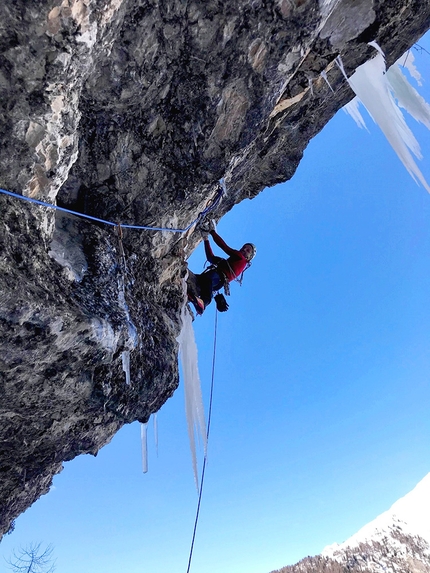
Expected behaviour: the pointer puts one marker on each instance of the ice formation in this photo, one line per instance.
(131, 328)
(378, 90)
(144, 442)
(105, 334)
(407, 61)
(407, 96)
(125, 355)
(325, 78)
(351, 108)
(193, 394)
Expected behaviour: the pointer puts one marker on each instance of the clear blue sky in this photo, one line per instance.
(321, 407)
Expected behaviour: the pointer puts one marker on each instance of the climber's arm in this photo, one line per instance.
(208, 252)
(222, 244)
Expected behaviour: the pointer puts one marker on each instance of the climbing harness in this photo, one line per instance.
(207, 441)
(212, 205)
(220, 300)
(236, 277)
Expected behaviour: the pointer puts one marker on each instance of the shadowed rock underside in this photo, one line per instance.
(131, 111)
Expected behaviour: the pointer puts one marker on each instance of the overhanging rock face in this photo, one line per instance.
(131, 111)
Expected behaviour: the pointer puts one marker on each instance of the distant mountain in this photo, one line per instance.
(397, 541)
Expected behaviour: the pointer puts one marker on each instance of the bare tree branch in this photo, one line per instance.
(32, 559)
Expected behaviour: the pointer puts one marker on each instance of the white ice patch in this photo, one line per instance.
(371, 84)
(144, 444)
(377, 48)
(193, 394)
(105, 334)
(351, 109)
(125, 356)
(223, 186)
(407, 96)
(407, 61)
(131, 328)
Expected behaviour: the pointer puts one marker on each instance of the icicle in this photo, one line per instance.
(407, 96)
(324, 76)
(125, 355)
(407, 61)
(155, 422)
(144, 443)
(132, 330)
(377, 48)
(339, 64)
(370, 84)
(193, 394)
(311, 86)
(351, 108)
(223, 186)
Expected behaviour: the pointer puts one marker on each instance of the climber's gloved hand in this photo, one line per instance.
(205, 227)
(221, 303)
(212, 225)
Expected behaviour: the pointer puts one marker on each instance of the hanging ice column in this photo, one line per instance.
(377, 89)
(144, 445)
(144, 441)
(193, 393)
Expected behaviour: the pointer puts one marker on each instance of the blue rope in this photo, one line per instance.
(213, 205)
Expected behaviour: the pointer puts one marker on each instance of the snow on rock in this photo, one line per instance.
(193, 395)
(378, 90)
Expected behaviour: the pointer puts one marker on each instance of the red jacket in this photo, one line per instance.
(231, 267)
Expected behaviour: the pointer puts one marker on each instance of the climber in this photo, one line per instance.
(202, 287)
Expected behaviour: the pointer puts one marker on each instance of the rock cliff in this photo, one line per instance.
(131, 111)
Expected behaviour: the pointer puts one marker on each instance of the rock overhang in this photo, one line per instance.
(132, 111)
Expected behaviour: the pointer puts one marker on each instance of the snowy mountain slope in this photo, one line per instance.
(411, 513)
(397, 541)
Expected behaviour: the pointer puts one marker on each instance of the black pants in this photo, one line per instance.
(208, 283)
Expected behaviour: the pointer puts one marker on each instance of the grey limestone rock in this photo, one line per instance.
(131, 111)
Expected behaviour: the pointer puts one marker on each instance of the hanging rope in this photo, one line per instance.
(207, 440)
(212, 205)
